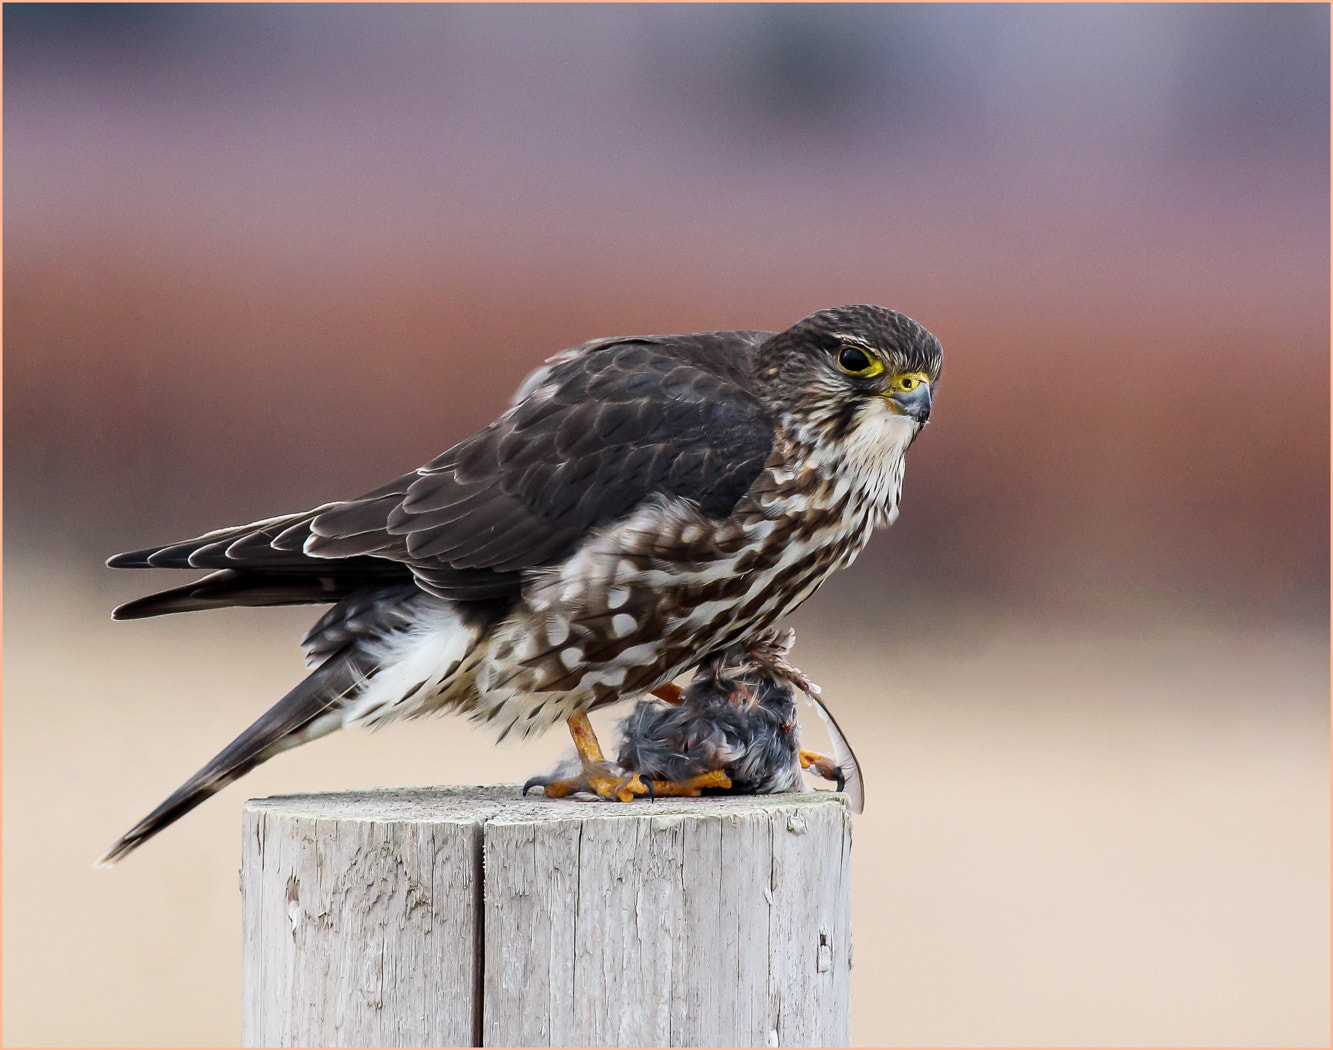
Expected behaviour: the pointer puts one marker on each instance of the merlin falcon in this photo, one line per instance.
(645, 503)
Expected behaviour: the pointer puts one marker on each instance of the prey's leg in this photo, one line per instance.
(670, 692)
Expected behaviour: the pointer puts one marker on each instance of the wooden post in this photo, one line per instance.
(475, 917)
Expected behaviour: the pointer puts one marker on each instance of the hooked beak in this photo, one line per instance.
(913, 403)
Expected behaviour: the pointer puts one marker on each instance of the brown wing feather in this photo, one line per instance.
(602, 431)
(598, 430)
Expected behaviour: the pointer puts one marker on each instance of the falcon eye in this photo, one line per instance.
(855, 361)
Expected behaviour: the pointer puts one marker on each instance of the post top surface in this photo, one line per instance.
(506, 803)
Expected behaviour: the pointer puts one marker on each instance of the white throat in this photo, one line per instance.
(870, 459)
(876, 451)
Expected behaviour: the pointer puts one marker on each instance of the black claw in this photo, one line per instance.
(652, 791)
(842, 780)
(535, 782)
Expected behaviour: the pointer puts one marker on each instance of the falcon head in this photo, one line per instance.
(859, 374)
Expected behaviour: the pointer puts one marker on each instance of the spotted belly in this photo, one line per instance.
(644, 602)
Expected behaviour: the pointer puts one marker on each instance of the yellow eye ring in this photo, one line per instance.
(856, 361)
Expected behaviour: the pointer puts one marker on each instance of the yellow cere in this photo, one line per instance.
(908, 381)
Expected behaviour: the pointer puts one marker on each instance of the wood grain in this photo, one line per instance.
(472, 916)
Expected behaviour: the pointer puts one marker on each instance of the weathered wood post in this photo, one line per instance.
(474, 917)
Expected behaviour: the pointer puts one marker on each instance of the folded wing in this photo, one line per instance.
(598, 430)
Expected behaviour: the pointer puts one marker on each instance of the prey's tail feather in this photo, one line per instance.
(843, 755)
(310, 710)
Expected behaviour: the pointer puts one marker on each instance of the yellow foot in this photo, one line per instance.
(691, 788)
(824, 766)
(598, 777)
(599, 780)
(602, 779)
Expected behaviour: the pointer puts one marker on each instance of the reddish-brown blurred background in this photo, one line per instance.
(258, 257)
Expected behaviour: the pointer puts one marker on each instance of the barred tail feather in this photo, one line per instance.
(310, 710)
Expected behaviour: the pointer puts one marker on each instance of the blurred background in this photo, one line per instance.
(257, 257)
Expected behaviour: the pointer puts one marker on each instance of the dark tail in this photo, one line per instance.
(228, 587)
(292, 720)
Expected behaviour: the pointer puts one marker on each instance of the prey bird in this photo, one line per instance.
(644, 503)
(733, 730)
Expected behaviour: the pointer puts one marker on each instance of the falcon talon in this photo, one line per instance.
(630, 788)
(553, 562)
(825, 767)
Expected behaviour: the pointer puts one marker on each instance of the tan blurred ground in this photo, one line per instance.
(1110, 838)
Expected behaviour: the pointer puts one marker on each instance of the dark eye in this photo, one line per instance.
(853, 359)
